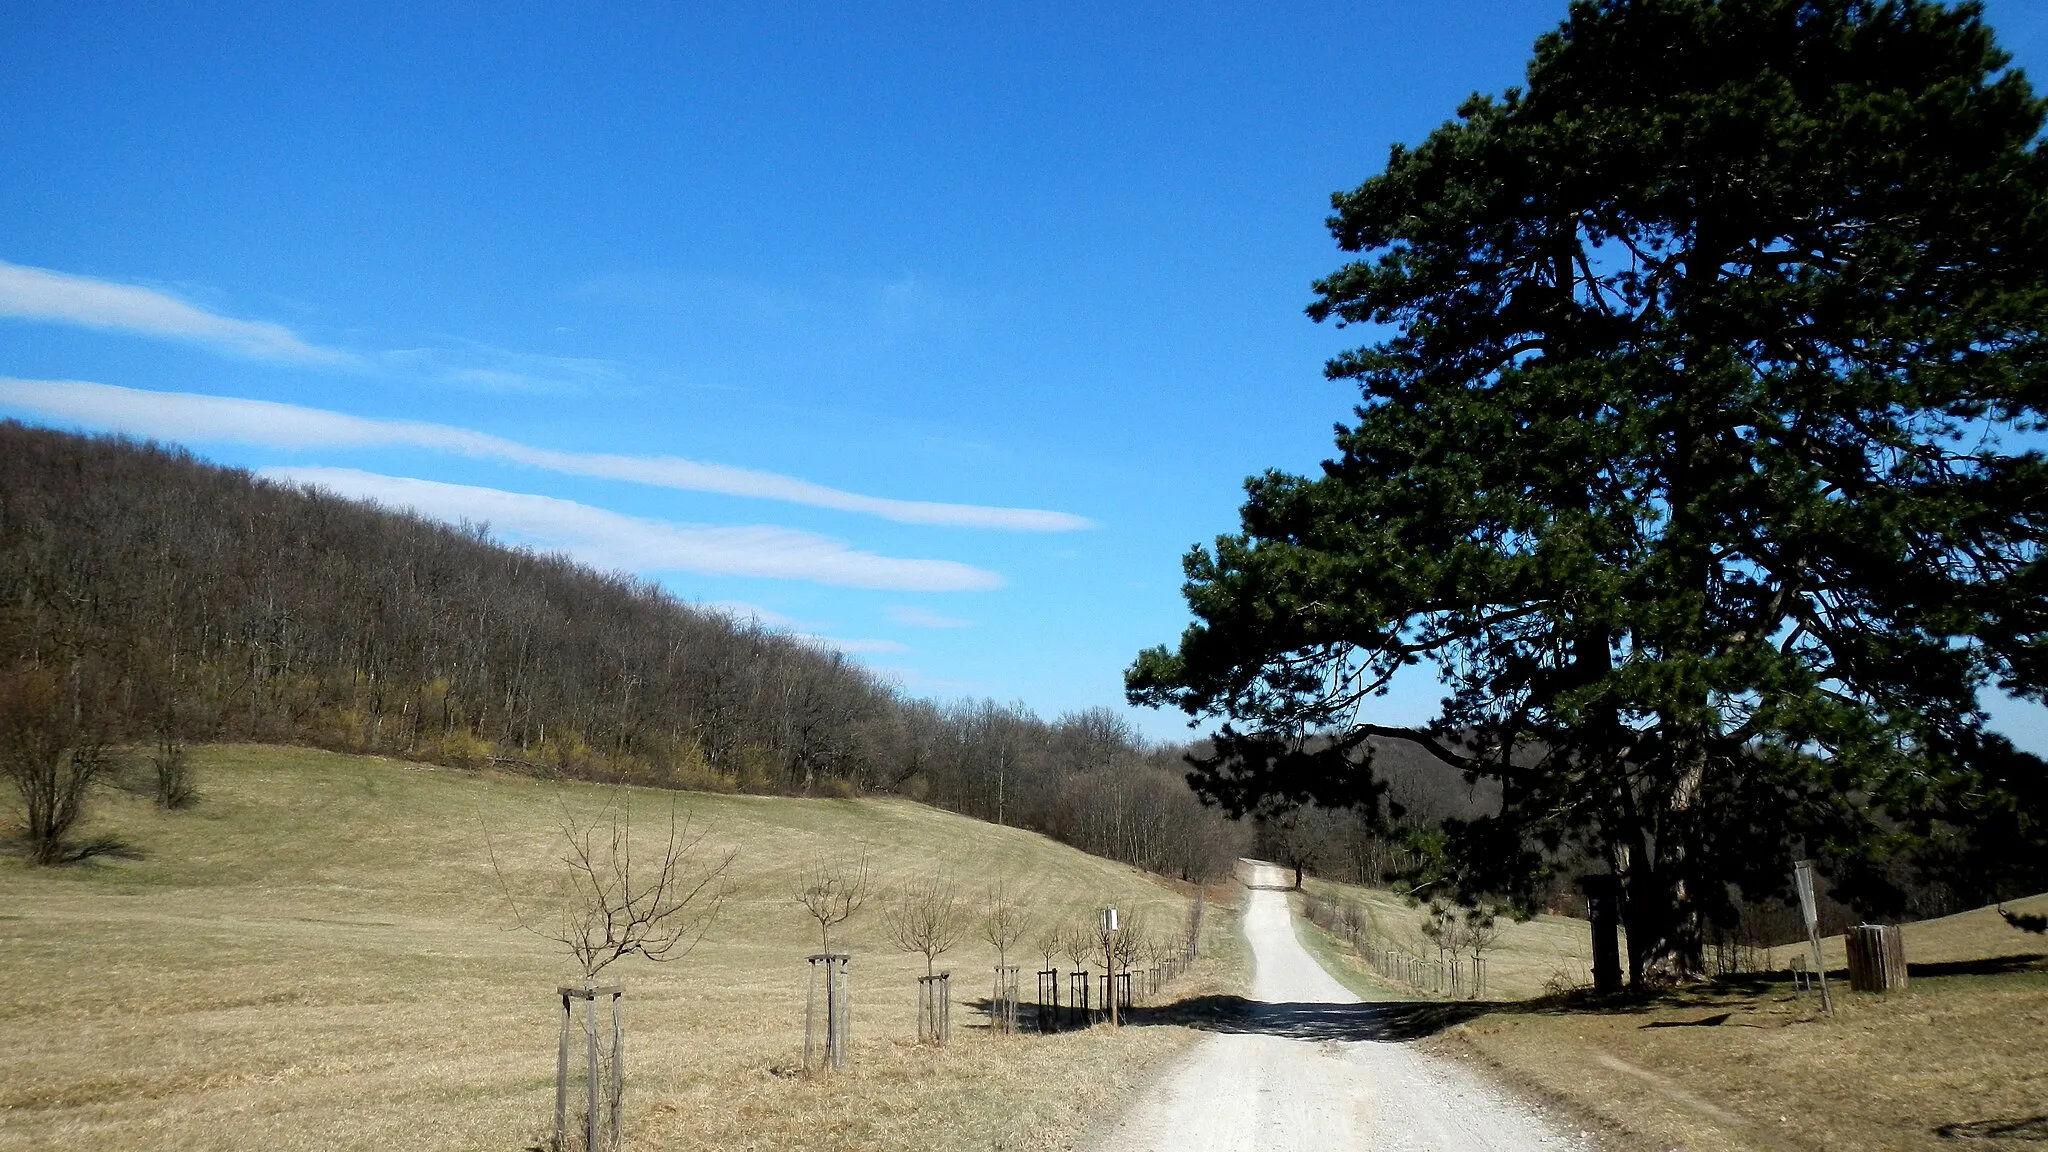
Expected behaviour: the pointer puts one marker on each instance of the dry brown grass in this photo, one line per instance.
(1962, 1053)
(1749, 1065)
(1527, 959)
(318, 957)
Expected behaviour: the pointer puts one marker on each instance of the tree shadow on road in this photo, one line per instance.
(1384, 1020)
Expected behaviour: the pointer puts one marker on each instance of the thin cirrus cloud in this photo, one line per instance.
(41, 294)
(742, 612)
(191, 416)
(918, 617)
(610, 540)
(852, 646)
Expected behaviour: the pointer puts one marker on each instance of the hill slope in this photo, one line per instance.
(319, 956)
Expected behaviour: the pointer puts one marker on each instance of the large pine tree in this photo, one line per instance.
(1693, 453)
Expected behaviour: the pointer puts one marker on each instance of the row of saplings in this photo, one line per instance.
(928, 917)
(661, 906)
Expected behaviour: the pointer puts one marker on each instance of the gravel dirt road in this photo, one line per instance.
(1306, 1066)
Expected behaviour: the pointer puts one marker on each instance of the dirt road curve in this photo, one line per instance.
(1298, 1071)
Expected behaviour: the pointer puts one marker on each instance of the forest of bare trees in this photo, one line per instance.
(193, 602)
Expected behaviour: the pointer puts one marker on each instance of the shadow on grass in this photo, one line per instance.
(2032, 1128)
(1398, 1020)
(1995, 966)
(75, 851)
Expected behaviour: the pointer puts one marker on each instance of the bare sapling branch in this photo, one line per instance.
(833, 892)
(924, 917)
(1003, 921)
(1077, 941)
(1048, 943)
(608, 904)
(1128, 942)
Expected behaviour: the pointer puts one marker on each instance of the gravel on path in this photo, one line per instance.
(1278, 1082)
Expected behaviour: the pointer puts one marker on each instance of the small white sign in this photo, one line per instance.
(1109, 919)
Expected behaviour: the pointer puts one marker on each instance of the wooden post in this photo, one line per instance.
(562, 1079)
(590, 1048)
(1802, 882)
(1603, 904)
(1109, 935)
(618, 1067)
(1877, 958)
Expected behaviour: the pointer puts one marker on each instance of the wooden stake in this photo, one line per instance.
(1802, 881)
(562, 1079)
(618, 1068)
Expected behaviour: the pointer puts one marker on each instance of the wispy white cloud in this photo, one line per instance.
(915, 678)
(918, 617)
(742, 611)
(853, 646)
(190, 416)
(474, 366)
(613, 541)
(60, 297)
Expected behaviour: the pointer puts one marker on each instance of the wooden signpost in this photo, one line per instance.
(1109, 931)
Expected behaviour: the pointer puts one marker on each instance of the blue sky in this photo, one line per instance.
(940, 331)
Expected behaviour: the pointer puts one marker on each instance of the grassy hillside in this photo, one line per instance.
(318, 956)
(1544, 952)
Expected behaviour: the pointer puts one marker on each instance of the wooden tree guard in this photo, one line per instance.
(934, 1008)
(1077, 996)
(603, 1096)
(1002, 1002)
(826, 1040)
(1121, 984)
(1049, 1000)
(1877, 958)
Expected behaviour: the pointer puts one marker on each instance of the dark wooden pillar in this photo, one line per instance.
(1603, 902)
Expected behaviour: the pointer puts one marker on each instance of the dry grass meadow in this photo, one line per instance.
(319, 956)
(1530, 958)
(1958, 1061)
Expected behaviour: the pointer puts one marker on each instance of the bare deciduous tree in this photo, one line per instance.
(924, 917)
(52, 752)
(1048, 943)
(172, 770)
(609, 906)
(1129, 942)
(1003, 921)
(833, 892)
(1078, 942)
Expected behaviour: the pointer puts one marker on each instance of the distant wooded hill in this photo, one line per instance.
(206, 604)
